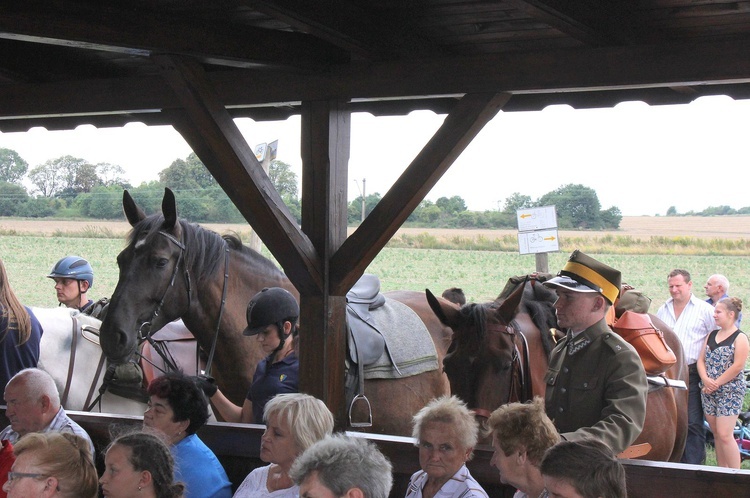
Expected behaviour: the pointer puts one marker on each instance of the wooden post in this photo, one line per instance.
(542, 262)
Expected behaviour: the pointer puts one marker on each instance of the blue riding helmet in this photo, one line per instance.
(73, 267)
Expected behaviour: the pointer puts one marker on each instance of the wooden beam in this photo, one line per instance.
(552, 72)
(325, 144)
(457, 131)
(347, 25)
(209, 129)
(130, 32)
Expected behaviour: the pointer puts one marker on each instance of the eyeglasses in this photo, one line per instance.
(12, 476)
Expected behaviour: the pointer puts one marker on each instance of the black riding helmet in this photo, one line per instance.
(272, 306)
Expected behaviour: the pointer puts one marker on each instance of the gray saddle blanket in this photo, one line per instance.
(409, 349)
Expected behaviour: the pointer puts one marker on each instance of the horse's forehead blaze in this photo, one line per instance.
(140, 243)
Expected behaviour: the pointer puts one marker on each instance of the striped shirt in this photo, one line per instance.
(461, 485)
(693, 325)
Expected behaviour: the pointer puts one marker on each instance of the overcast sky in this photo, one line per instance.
(641, 159)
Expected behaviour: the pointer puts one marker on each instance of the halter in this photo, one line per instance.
(520, 378)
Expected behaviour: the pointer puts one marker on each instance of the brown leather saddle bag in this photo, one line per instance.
(638, 330)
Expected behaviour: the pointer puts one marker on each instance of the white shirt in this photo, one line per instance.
(461, 485)
(693, 325)
(254, 486)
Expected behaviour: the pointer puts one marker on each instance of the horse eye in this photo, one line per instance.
(162, 262)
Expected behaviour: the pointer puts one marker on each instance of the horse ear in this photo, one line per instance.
(133, 213)
(509, 308)
(447, 314)
(169, 209)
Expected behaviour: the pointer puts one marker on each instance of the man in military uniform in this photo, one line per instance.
(596, 384)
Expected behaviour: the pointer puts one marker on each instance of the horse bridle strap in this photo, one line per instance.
(157, 310)
(209, 361)
(71, 361)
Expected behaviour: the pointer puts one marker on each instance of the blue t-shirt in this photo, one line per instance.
(200, 470)
(14, 358)
(271, 379)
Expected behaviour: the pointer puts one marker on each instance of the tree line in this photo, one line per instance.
(73, 187)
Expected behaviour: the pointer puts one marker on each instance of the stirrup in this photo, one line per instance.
(360, 397)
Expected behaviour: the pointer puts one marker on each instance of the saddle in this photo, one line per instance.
(365, 342)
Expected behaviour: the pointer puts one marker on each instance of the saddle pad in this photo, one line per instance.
(408, 343)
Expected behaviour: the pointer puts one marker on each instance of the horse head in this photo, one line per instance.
(482, 363)
(154, 286)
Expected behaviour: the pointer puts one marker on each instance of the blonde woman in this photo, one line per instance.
(52, 465)
(294, 421)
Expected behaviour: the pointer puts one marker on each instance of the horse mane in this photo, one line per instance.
(475, 315)
(204, 248)
(538, 302)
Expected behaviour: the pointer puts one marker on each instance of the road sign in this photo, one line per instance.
(537, 230)
(539, 241)
(539, 218)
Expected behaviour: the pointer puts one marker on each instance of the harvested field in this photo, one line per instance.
(721, 227)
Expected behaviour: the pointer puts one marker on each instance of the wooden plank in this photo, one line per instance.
(457, 131)
(127, 31)
(326, 128)
(550, 72)
(213, 135)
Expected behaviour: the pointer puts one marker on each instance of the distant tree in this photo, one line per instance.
(40, 207)
(611, 218)
(102, 202)
(430, 214)
(717, 211)
(672, 211)
(515, 202)
(12, 166)
(112, 175)
(283, 178)
(451, 206)
(188, 174)
(354, 210)
(12, 196)
(47, 178)
(577, 206)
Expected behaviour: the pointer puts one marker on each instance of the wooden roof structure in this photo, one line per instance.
(196, 65)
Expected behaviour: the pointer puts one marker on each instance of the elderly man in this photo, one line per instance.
(34, 406)
(341, 466)
(596, 384)
(717, 288)
(692, 320)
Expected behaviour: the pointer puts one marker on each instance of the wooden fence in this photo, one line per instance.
(237, 446)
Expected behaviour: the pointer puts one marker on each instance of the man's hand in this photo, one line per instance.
(207, 384)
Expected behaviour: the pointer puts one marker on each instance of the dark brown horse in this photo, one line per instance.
(174, 269)
(498, 355)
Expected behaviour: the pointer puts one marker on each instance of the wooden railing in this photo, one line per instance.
(237, 446)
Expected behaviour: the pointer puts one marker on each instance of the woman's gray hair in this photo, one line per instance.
(307, 417)
(449, 410)
(343, 463)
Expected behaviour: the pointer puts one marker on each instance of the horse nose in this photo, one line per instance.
(116, 345)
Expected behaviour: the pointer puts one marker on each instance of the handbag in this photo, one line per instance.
(638, 330)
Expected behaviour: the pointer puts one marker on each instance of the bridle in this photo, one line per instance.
(146, 334)
(520, 388)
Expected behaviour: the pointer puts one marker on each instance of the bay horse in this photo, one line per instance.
(487, 368)
(171, 268)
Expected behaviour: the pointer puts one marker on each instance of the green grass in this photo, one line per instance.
(480, 272)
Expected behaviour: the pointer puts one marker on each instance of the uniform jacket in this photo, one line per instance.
(599, 391)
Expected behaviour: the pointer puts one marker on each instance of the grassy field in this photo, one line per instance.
(29, 249)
